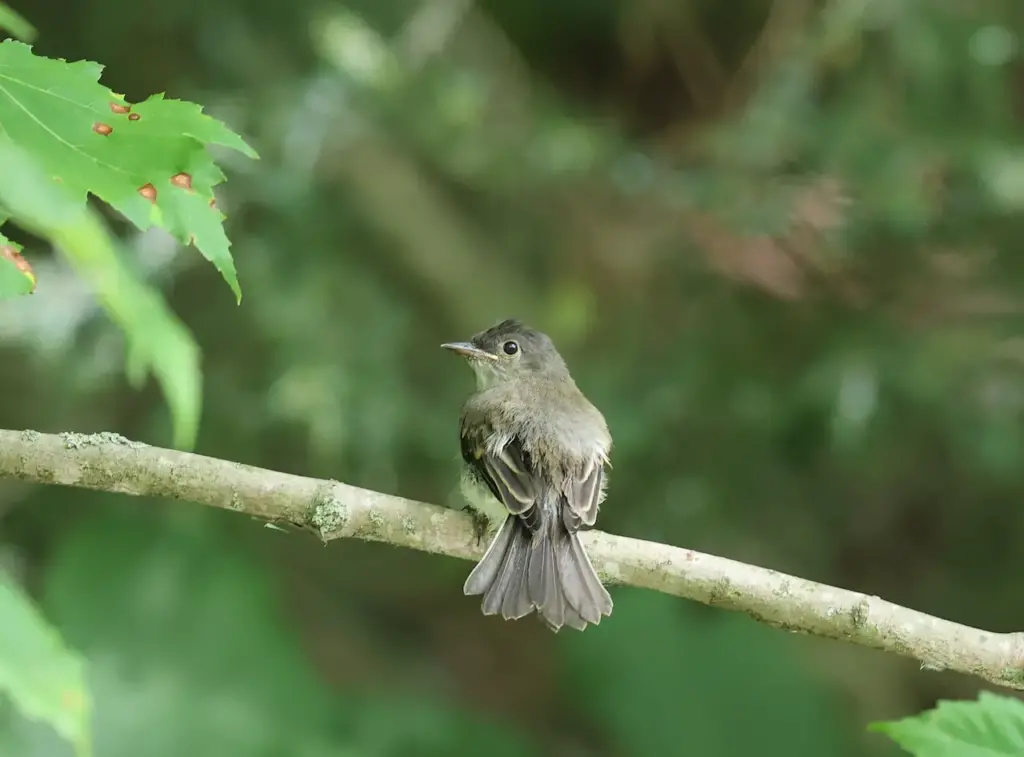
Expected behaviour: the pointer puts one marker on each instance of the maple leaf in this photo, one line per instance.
(16, 275)
(156, 340)
(148, 160)
(991, 726)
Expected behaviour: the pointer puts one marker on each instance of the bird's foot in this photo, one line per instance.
(481, 525)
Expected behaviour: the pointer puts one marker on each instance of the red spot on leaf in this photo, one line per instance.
(149, 192)
(182, 180)
(102, 128)
(134, 116)
(213, 202)
(120, 109)
(6, 251)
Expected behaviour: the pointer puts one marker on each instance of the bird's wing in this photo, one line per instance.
(508, 472)
(583, 495)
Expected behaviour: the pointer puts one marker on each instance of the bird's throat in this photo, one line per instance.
(486, 376)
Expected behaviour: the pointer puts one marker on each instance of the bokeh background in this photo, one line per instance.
(779, 245)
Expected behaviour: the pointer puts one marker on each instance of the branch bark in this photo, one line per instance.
(109, 462)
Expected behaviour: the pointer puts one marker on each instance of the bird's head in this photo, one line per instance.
(508, 351)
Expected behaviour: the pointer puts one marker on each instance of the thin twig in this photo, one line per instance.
(109, 462)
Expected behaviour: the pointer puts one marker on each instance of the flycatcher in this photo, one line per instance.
(535, 451)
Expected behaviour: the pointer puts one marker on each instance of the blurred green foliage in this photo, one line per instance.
(15, 24)
(41, 675)
(776, 242)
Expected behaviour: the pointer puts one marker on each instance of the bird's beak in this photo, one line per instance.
(468, 350)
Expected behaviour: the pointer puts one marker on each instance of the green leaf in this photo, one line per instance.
(156, 339)
(12, 22)
(993, 726)
(44, 678)
(13, 282)
(85, 136)
(15, 278)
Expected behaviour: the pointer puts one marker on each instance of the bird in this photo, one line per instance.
(535, 454)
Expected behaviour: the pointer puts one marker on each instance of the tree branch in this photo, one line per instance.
(109, 462)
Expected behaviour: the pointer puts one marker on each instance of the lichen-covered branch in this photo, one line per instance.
(109, 462)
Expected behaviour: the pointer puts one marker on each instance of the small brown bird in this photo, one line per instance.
(534, 451)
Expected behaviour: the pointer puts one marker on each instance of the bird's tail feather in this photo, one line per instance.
(547, 570)
(501, 573)
(584, 592)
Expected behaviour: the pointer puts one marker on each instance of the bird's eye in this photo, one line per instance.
(510, 348)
